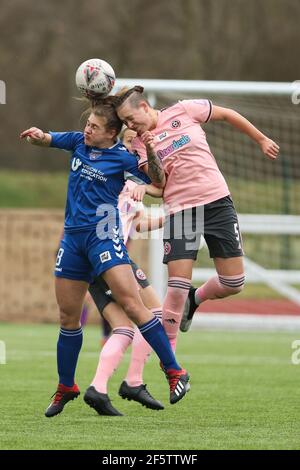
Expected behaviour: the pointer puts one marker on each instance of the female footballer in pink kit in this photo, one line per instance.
(197, 198)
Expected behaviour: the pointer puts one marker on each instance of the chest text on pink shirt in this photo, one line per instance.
(175, 145)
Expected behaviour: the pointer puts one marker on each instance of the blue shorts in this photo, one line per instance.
(82, 255)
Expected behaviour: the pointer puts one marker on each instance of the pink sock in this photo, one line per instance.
(218, 287)
(140, 352)
(178, 289)
(111, 356)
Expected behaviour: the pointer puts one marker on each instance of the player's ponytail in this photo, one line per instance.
(135, 95)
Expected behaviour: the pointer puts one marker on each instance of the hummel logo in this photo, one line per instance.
(120, 255)
(117, 247)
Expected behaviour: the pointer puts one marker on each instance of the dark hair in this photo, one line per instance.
(135, 94)
(105, 107)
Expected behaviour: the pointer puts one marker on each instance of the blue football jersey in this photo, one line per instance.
(97, 176)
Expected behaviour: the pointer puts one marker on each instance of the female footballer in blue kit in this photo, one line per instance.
(100, 164)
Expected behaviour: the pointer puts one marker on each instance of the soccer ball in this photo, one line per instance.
(95, 77)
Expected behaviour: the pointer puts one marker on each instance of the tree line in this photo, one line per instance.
(42, 44)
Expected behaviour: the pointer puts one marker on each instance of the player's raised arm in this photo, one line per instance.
(155, 169)
(36, 136)
(268, 146)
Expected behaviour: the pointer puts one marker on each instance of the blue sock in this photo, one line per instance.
(68, 348)
(155, 335)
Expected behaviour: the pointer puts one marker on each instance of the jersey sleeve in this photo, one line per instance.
(198, 110)
(132, 172)
(139, 149)
(66, 140)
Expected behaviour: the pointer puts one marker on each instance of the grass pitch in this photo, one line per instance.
(244, 395)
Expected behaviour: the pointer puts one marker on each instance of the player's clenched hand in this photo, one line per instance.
(148, 139)
(270, 148)
(33, 135)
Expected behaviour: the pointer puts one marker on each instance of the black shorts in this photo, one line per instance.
(101, 294)
(216, 221)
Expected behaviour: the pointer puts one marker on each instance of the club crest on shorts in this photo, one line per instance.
(105, 256)
(140, 274)
(167, 248)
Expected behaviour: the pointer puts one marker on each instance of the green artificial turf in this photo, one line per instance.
(244, 395)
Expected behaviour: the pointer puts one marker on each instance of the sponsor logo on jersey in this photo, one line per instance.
(175, 124)
(91, 173)
(175, 145)
(76, 163)
(88, 171)
(105, 256)
(162, 136)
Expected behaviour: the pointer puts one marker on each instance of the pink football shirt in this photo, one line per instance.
(193, 176)
(127, 209)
